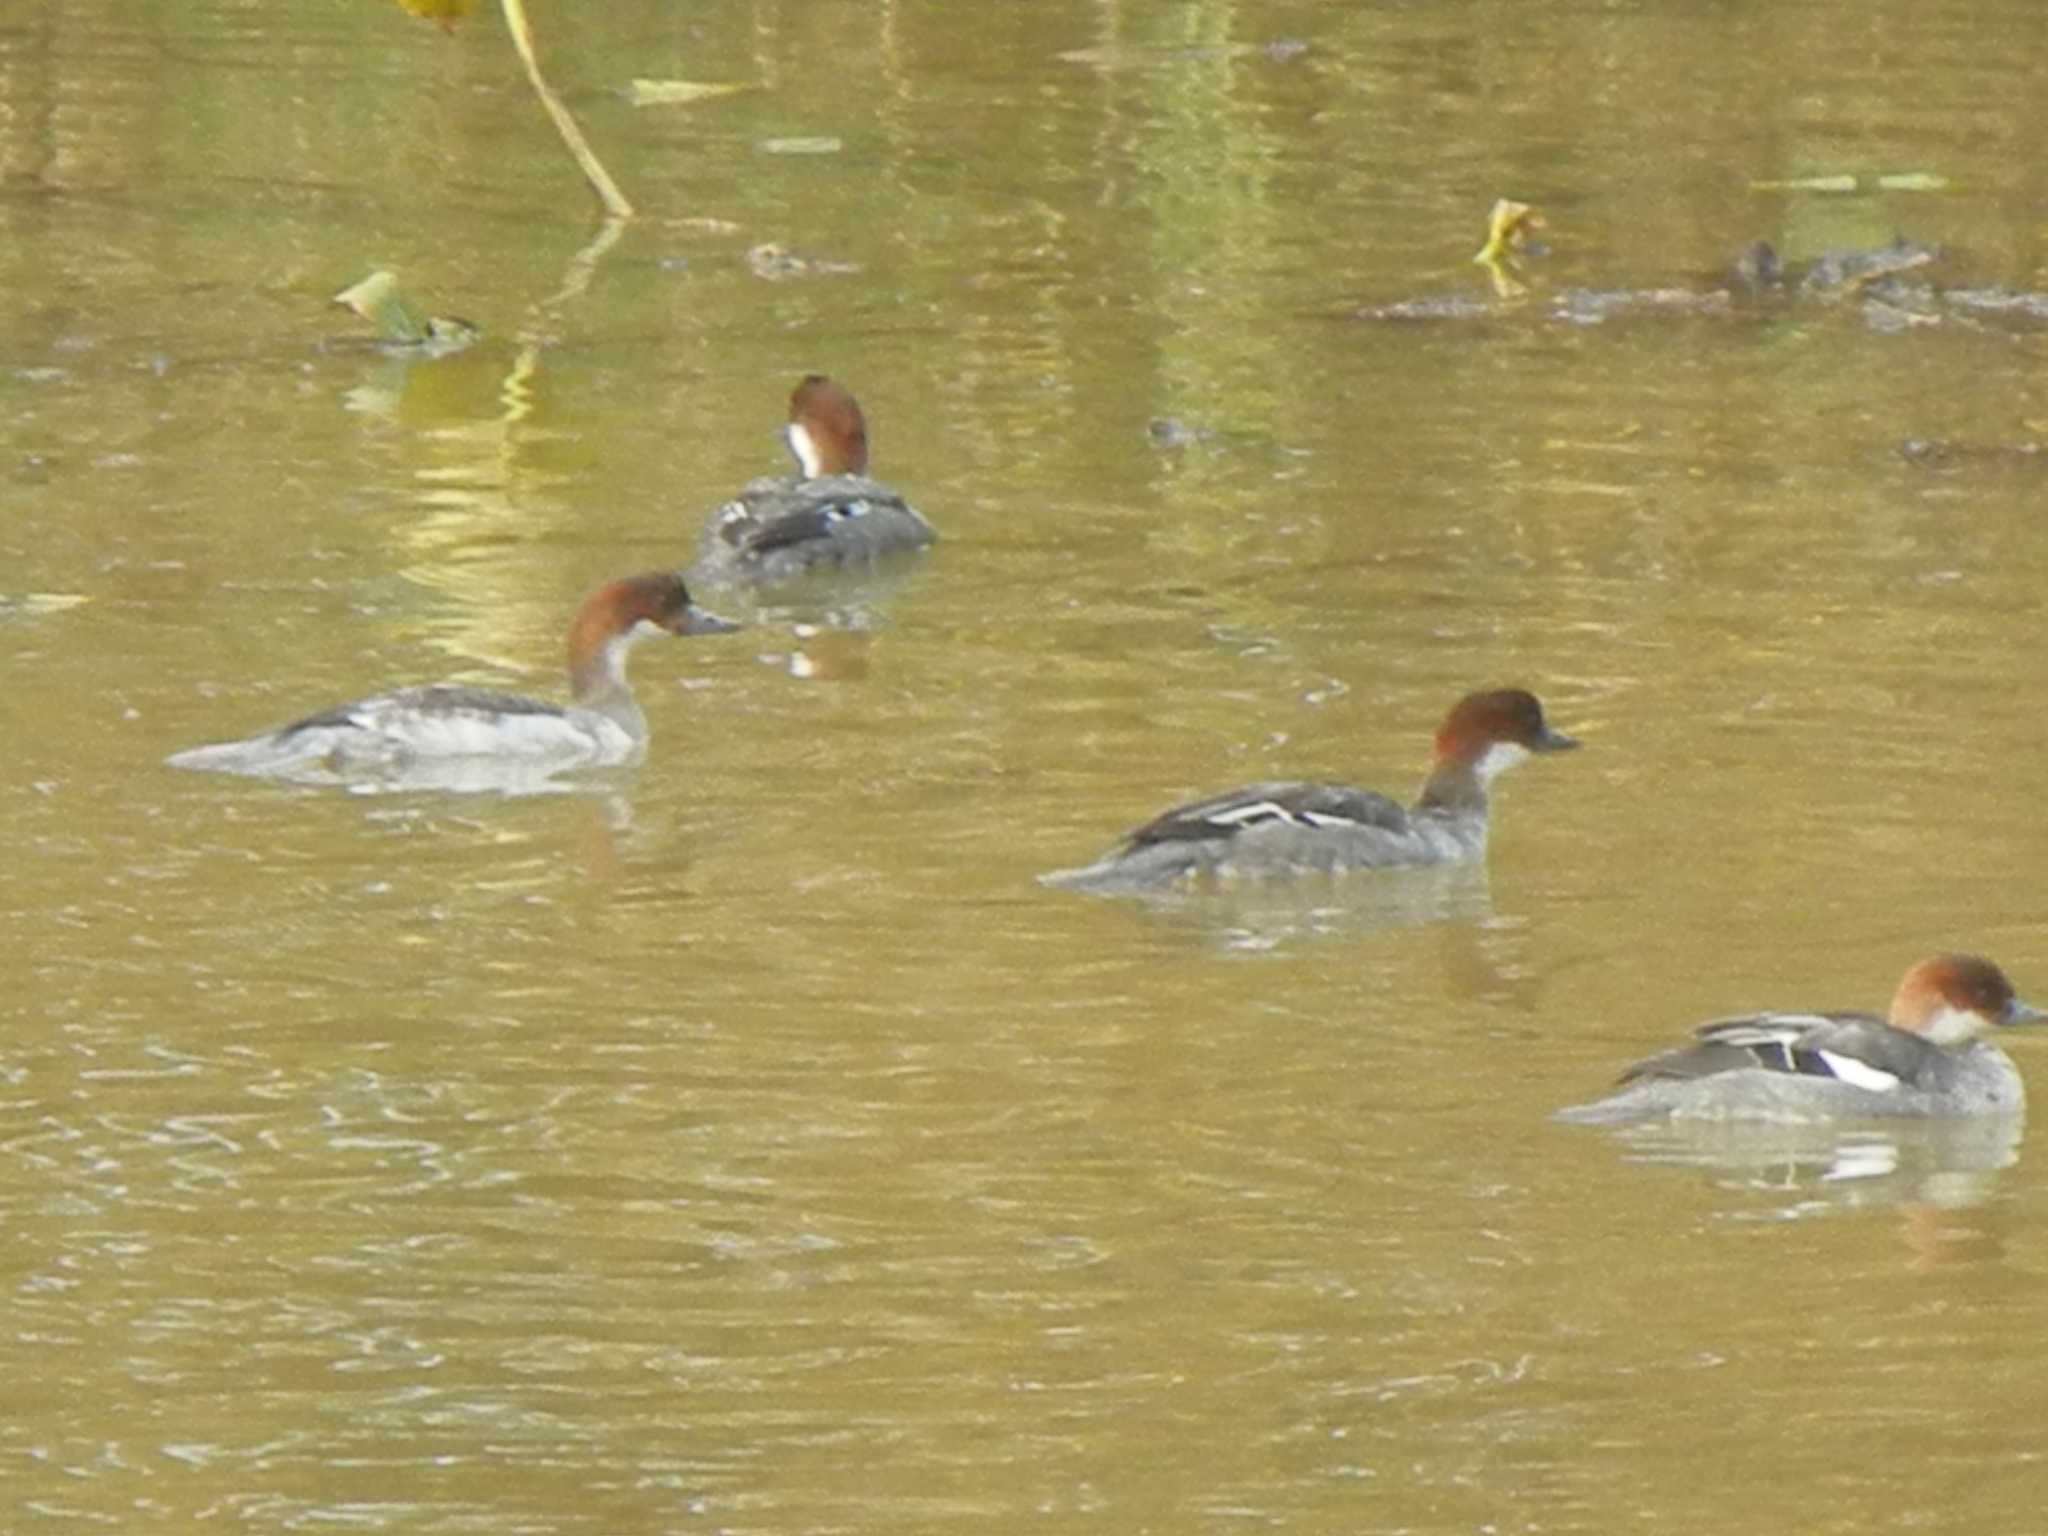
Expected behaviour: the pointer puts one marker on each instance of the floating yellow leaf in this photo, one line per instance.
(676, 93)
(1508, 227)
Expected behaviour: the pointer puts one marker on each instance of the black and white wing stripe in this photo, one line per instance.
(1852, 1048)
(1321, 807)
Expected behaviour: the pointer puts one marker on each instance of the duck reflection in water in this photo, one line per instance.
(1267, 915)
(1939, 1175)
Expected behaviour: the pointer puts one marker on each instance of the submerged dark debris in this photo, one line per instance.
(1881, 284)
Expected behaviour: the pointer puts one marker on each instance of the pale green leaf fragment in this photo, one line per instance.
(42, 602)
(1151, 55)
(677, 93)
(801, 146)
(377, 299)
(1807, 184)
(1897, 181)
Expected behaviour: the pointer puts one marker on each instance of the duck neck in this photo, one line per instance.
(597, 682)
(1453, 788)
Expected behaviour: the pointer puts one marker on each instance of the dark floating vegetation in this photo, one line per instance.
(1889, 287)
(400, 323)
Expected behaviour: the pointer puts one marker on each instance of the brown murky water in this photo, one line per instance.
(756, 1147)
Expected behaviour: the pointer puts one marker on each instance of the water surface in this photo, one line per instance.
(755, 1146)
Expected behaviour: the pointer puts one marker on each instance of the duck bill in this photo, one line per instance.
(2017, 1012)
(701, 621)
(1555, 741)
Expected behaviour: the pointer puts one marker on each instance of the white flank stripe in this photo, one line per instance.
(1859, 1074)
(1324, 819)
(1238, 814)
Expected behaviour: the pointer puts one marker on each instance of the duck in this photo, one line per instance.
(1291, 827)
(1929, 1056)
(828, 514)
(413, 733)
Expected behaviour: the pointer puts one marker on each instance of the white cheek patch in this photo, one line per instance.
(1953, 1026)
(1497, 759)
(1858, 1074)
(799, 439)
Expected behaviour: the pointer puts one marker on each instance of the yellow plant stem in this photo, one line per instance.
(600, 180)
